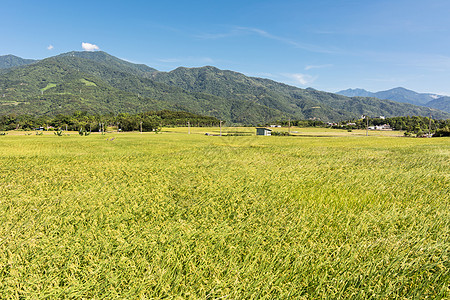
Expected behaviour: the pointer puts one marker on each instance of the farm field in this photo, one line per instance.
(172, 215)
(295, 131)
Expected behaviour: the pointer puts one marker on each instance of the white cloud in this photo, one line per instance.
(89, 47)
(50, 47)
(302, 79)
(317, 67)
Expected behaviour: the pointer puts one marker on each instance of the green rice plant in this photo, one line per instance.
(182, 215)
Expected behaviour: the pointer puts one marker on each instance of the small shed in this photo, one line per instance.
(263, 131)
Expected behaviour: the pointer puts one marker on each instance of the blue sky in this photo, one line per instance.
(324, 44)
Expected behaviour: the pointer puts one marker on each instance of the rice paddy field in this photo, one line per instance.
(188, 216)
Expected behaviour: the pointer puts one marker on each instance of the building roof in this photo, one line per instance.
(264, 128)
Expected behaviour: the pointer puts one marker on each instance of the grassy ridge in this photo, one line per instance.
(241, 216)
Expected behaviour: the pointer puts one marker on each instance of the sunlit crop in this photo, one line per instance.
(131, 215)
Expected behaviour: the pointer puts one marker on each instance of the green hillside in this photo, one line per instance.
(442, 103)
(300, 103)
(10, 61)
(97, 82)
(66, 84)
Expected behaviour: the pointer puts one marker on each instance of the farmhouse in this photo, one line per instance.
(380, 127)
(383, 127)
(263, 131)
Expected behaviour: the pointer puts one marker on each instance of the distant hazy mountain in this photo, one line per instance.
(9, 61)
(397, 94)
(442, 103)
(407, 96)
(356, 93)
(97, 82)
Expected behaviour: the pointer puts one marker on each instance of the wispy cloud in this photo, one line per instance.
(215, 36)
(89, 47)
(50, 47)
(130, 61)
(239, 31)
(187, 60)
(262, 74)
(433, 62)
(302, 79)
(318, 31)
(206, 60)
(169, 60)
(310, 67)
(393, 80)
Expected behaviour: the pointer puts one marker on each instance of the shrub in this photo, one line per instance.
(442, 132)
(280, 133)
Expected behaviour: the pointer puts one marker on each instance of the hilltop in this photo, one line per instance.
(11, 61)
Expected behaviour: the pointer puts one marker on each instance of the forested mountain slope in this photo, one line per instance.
(10, 61)
(301, 103)
(97, 82)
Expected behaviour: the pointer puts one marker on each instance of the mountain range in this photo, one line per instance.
(403, 95)
(97, 82)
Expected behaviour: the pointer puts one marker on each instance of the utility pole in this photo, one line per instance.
(220, 128)
(141, 126)
(429, 128)
(189, 127)
(289, 126)
(367, 125)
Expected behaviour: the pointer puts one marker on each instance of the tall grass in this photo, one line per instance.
(193, 216)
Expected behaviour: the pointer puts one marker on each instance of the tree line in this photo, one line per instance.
(146, 121)
(410, 124)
